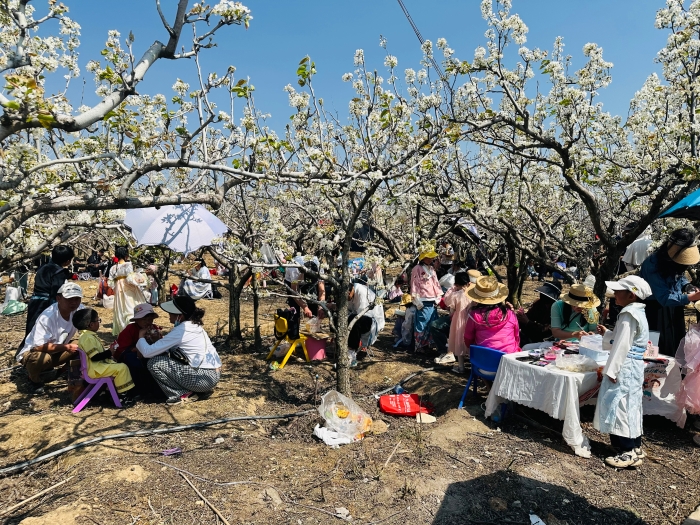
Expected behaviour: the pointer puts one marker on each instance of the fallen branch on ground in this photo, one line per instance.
(142, 433)
(205, 500)
(35, 496)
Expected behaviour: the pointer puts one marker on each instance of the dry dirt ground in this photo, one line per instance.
(462, 469)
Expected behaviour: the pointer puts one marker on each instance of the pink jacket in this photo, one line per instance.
(499, 333)
(424, 283)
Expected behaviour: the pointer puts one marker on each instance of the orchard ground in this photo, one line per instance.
(462, 469)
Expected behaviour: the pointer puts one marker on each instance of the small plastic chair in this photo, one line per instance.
(282, 327)
(93, 387)
(484, 363)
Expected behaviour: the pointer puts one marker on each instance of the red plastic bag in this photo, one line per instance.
(404, 405)
(173, 290)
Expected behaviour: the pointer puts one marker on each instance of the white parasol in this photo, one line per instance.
(183, 228)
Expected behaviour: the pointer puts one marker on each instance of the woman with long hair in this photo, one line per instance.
(664, 270)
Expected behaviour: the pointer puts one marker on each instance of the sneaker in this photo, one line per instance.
(184, 398)
(640, 453)
(37, 388)
(445, 359)
(624, 460)
(205, 395)
(127, 401)
(696, 439)
(189, 397)
(457, 371)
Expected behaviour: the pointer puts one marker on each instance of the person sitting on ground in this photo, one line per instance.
(124, 348)
(535, 325)
(48, 344)
(490, 322)
(575, 314)
(198, 290)
(49, 278)
(184, 362)
(99, 360)
(619, 408)
(93, 264)
(458, 302)
(366, 329)
(311, 286)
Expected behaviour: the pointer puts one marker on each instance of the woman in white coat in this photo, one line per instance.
(619, 408)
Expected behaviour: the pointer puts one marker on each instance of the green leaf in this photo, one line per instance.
(304, 60)
(11, 104)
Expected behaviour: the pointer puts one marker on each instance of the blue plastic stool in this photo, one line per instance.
(484, 363)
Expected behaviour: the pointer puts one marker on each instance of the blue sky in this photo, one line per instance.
(284, 31)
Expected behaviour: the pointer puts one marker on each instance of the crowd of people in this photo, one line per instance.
(183, 364)
(446, 305)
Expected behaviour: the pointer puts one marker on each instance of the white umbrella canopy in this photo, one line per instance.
(183, 228)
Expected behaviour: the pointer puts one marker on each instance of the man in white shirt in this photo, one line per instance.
(47, 345)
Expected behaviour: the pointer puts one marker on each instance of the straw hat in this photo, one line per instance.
(473, 275)
(488, 291)
(430, 254)
(686, 256)
(406, 299)
(580, 295)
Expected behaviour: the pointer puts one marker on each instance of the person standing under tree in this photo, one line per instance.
(664, 270)
(619, 408)
(425, 291)
(127, 293)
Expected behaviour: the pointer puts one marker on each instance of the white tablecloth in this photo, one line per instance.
(557, 393)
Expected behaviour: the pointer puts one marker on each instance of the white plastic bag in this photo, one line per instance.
(592, 342)
(576, 363)
(108, 301)
(344, 416)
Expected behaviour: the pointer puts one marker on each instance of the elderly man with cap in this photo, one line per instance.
(619, 408)
(664, 270)
(426, 292)
(47, 345)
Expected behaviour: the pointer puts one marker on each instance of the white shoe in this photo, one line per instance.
(624, 460)
(445, 359)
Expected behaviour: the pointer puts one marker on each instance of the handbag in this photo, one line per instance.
(178, 355)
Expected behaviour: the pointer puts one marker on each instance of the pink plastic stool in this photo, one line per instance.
(316, 348)
(93, 387)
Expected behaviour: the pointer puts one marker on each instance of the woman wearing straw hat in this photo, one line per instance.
(664, 270)
(425, 291)
(574, 314)
(491, 323)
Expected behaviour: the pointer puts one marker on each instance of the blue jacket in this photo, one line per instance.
(668, 291)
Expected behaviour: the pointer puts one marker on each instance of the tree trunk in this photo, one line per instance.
(341, 329)
(608, 271)
(512, 272)
(256, 312)
(341, 341)
(234, 305)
